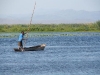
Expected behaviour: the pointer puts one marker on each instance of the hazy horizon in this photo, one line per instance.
(49, 11)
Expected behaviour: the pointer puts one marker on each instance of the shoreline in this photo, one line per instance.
(49, 34)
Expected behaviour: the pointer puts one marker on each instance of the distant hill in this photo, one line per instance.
(57, 16)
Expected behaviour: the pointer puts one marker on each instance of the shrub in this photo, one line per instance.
(98, 23)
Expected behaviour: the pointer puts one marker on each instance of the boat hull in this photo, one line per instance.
(33, 48)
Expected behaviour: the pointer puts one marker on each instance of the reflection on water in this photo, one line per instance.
(65, 53)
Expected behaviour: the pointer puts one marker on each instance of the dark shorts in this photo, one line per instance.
(20, 44)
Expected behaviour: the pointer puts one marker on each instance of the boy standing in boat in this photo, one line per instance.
(20, 40)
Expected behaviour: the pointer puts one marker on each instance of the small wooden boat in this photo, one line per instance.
(33, 48)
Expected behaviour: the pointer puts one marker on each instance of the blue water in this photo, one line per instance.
(66, 53)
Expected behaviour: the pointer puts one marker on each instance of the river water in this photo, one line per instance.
(67, 53)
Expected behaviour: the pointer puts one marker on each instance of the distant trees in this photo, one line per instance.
(98, 23)
(51, 27)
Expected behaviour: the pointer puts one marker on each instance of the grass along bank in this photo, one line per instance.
(95, 27)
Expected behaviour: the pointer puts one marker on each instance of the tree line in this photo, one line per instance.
(50, 27)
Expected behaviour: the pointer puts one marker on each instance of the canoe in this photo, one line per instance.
(33, 48)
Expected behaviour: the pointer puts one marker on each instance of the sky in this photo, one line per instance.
(27, 6)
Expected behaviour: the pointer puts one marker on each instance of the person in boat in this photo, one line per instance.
(20, 40)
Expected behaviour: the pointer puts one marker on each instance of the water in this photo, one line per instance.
(65, 54)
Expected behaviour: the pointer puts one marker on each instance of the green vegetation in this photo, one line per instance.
(51, 27)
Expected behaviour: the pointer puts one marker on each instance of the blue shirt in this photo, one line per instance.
(20, 37)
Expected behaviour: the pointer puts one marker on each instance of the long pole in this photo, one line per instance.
(30, 23)
(31, 17)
